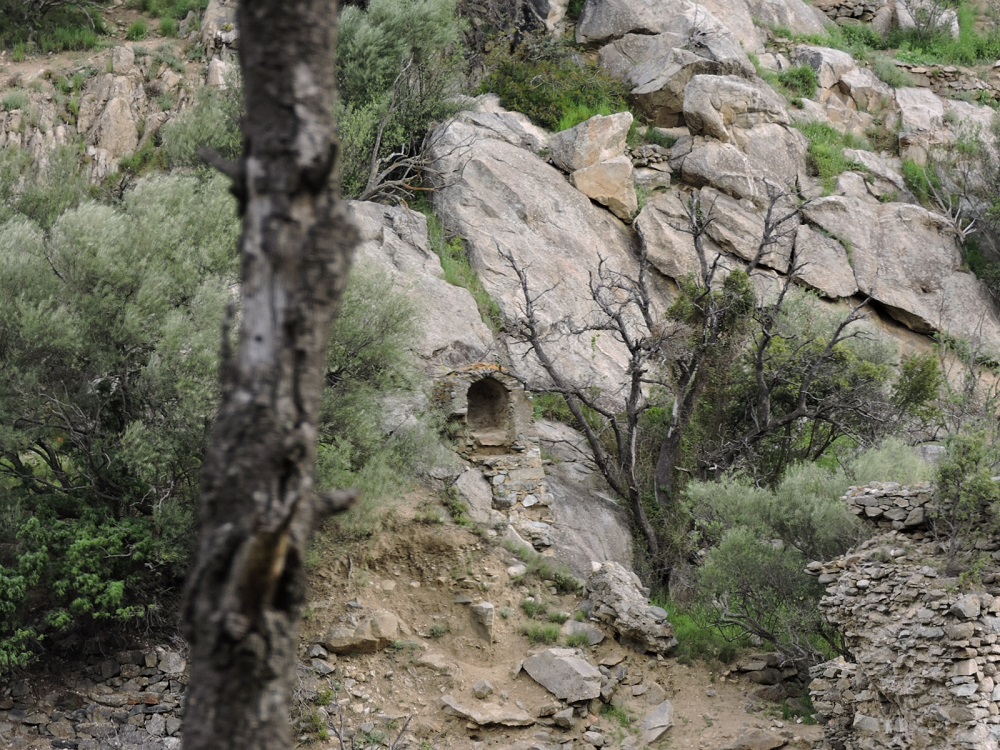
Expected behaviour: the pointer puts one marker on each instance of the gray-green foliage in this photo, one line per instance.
(213, 122)
(397, 65)
(759, 542)
(41, 192)
(968, 498)
(370, 367)
(108, 341)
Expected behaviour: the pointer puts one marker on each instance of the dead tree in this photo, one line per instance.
(624, 310)
(716, 322)
(259, 506)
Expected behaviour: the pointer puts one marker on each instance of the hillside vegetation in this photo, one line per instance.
(750, 411)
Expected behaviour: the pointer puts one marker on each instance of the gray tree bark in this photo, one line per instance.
(247, 586)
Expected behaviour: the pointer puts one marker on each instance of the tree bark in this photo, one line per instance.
(247, 586)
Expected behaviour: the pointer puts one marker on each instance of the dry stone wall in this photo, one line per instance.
(925, 645)
(129, 700)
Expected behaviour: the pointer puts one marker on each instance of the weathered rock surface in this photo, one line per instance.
(717, 106)
(591, 142)
(564, 674)
(907, 259)
(579, 492)
(611, 184)
(657, 722)
(394, 240)
(616, 597)
(487, 713)
(657, 50)
(370, 633)
(505, 201)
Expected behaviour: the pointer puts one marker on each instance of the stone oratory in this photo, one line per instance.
(491, 415)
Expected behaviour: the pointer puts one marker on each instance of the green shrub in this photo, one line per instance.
(533, 608)
(41, 194)
(922, 182)
(826, 152)
(700, 638)
(968, 498)
(213, 122)
(458, 270)
(64, 38)
(889, 73)
(137, 31)
(369, 363)
(577, 640)
(168, 27)
(14, 100)
(50, 27)
(546, 634)
(543, 79)
(398, 65)
(800, 81)
(759, 543)
(110, 383)
(581, 113)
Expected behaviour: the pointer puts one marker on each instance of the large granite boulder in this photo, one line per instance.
(595, 140)
(657, 65)
(563, 673)
(767, 156)
(908, 259)
(921, 123)
(610, 183)
(507, 203)
(394, 240)
(718, 106)
(658, 69)
(617, 598)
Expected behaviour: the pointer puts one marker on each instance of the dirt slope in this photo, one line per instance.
(428, 575)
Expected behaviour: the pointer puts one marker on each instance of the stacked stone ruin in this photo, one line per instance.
(131, 699)
(925, 644)
(503, 443)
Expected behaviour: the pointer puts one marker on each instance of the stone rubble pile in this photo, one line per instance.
(861, 10)
(951, 81)
(924, 645)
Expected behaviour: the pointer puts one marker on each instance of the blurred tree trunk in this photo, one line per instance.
(259, 507)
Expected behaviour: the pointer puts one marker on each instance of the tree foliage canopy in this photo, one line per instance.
(109, 385)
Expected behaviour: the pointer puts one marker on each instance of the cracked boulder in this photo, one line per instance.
(618, 599)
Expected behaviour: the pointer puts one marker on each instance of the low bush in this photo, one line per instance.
(547, 81)
(923, 183)
(542, 634)
(800, 81)
(889, 73)
(758, 543)
(826, 152)
(398, 67)
(137, 31)
(110, 383)
(213, 122)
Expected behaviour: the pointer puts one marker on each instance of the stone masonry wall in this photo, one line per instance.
(129, 700)
(925, 644)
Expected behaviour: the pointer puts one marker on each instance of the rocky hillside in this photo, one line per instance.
(446, 638)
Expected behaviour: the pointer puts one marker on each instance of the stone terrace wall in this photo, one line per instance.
(953, 82)
(130, 700)
(891, 506)
(925, 645)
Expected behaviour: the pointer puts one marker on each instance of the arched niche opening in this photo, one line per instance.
(488, 412)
